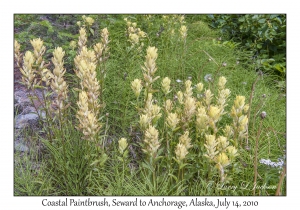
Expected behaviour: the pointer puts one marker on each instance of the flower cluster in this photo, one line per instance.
(82, 39)
(183, 32)
(101, 48)
(88, 122)
(171, 23)
(201, 120)
(268, 162)
(72, 44)
(123, 146)
(172, 120)
(36, 75)
(151, 142)
(17, 54)
(186, 112)
(240, 120)
(166, 85)
(28, 72)
(182, 147)
(58, 84)
(33, 64)
(38, 50)
(135, 35)
(137, 87)
(86, 62)
(220, 153)
(87, 21)
(224, 93)
(150, 113)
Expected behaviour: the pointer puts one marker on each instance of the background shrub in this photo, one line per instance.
(264, 35)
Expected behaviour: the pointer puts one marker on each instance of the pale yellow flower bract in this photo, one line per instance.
(134, 38)
(222, 159)
(188, 89)
(214, 113)
(166, 85)
(210, 146)
(144, 121)
(136, 86)
(180, 97)
(172, 120)
(232, 151)
(122, 145)
(180, 152)
(151, 140)
(185, 140)
(222, 143)
(199, 87)
(222, 82)
(183, 32)
(168, 105)
(89, 21)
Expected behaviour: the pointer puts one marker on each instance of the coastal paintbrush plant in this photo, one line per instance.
(28, 73)
(240, 120)
(58, 84)
(17, 54)
(87, 62)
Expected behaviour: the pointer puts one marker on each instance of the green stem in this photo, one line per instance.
(255, 160)
(178, 173)
(182, 172)
(36, 109)
(123, 172)
(64, 148)
(209, 171)
(154, 178)
(250, 104)
(48, 116)
(215, 77)
(164, 127)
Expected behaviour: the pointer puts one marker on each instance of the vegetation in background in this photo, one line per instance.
(262, 34)
(146, 105)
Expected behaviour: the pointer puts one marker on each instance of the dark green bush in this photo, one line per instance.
(264, 35)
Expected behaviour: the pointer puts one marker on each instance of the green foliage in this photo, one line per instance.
(264, 35)
(68, 163)
(30, 176)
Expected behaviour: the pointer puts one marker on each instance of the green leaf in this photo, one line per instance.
(92, 31)
(259, 46)
(182, 165)
(241, 19)
(273, 16)
(262, 20)
(103, 159)
(173, 176)
(147, 166)
(279, 20)
(211, 16)
(120, 159)
(176, 160)
(279, 67)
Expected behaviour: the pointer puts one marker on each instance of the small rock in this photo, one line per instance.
(20, 146)
(28, 110)
(22, 98)
(22, 121)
